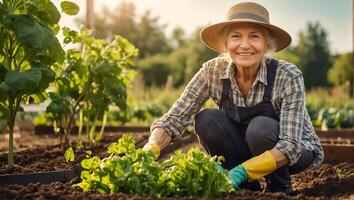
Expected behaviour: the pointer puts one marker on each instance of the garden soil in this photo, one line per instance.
(328, 181)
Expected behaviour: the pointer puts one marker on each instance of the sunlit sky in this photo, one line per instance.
(335, 16)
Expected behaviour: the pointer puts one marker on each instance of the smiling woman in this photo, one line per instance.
(262, 127)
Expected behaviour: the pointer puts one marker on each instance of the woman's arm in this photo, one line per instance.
(160, 137)
(172, 124)
(280, 158)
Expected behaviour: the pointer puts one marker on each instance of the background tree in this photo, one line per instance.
(151, 38)
(144, 31)
(178, 36)
(198, 54)
(342, 71)
(120, 21)
(181, 64)
(155, 69)
(289, 54)
(313, 49)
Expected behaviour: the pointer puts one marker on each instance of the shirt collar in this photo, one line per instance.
(261, 75)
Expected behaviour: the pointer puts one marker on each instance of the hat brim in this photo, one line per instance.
(212, 38)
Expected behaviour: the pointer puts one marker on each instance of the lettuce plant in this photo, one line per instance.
(132, 170)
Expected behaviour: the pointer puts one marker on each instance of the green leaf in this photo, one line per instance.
(40, 4)
(31, 8)
(23, 81)
(70, 8)
(59, 104)
(91, 163)
(48, 76)
(50, 14)
(69, 155)
(29, 32)
(56, 52)
(55, 28)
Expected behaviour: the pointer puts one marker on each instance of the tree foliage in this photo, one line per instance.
(342, 71)
(155, 69)
(313, 49)
(144, 31)
(289, 54)
(181, 64)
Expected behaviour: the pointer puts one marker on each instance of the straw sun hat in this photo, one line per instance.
(241, 13)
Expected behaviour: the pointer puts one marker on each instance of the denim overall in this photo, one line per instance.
(243, 115)
(280, 179)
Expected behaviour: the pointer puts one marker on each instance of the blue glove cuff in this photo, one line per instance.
(238, 175)
(218, 167)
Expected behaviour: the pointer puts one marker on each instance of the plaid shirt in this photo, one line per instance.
(296, 130)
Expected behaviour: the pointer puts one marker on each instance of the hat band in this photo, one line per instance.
(245, 15)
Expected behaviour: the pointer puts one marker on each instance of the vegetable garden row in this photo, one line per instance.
(329, 181)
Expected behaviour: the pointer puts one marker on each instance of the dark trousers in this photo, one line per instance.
(221, 136)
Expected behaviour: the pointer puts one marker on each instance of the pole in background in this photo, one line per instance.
(90, 16)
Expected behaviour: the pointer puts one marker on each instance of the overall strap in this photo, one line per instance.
(226, 85)
(271, 73)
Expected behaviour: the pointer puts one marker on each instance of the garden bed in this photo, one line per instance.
(329, 181)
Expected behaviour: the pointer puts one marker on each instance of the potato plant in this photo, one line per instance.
(28, 51)
(132, 170)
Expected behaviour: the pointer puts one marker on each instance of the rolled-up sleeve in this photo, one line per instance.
(183, 110)
(291, 118)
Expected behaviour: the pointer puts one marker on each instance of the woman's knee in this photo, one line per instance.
(262, 133)
(206, 121)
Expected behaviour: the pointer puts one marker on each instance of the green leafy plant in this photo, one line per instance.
(193, 174)
(29, 50)
(69, 155)
(127, 169)
(132, 170)
(92, 78)
(334, 118)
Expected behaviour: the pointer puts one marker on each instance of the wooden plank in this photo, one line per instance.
(338, 153)
(345, 133)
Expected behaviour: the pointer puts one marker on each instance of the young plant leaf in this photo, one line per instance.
(50, 14)
(132, 170)
(69, 155)
(70, 8)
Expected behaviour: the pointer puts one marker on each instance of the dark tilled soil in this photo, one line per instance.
(328, 181)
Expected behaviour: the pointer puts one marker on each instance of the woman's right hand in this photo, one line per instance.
(152, 147)
(158, 140)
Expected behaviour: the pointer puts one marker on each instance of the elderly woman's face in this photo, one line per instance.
(246, 45)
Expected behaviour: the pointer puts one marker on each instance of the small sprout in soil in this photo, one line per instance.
(69, 155)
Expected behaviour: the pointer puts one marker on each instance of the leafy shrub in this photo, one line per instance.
(135, 171)
(90, 80)
(29, 52)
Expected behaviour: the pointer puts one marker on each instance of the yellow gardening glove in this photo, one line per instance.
(260, 166)
(153, 147)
